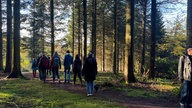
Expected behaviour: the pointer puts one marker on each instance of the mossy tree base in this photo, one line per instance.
(15, 74)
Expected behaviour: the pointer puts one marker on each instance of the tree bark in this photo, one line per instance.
(79, 27)
(103, 61)
(73, 30)
(8, 66)
(16, 72)
(189, 24)
(1, 39)
(153, 40)
(144, 35)
(85, 27)
(128, 71)
(115, 39)
(52, 27)
(94, 27)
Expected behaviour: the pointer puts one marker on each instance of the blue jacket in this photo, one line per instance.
(34, 65)
(68, 60)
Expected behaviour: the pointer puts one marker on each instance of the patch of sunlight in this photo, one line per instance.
(140, 93)
(162, 87)
(5, 95)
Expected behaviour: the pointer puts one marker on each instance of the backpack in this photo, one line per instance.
(90, 61)
(45, 62)
(56, 61)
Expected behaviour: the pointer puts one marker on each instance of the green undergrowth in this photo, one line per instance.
(35, 94)
(157, 88)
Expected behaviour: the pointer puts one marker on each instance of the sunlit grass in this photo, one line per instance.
(33, 93)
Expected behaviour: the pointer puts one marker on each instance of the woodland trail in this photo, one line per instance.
(116, 96)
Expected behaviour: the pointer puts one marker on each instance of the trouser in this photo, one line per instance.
(186, 94)
(67, 71)
(90, 87)
(40, 73)
(43, 74)
(48, 71)
(34, 73)
(79, 75)
(55, 73)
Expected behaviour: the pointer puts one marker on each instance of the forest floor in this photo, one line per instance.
(118, 96)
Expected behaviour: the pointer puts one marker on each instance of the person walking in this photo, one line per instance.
(39, 68)
(185, 76)
(55, 66)
(90, 73)
(67, 62)
(43, 64)
(34, 67)
(48, 71)
(77, 66)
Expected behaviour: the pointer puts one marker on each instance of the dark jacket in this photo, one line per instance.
(41, 62)
(90, 69)
(77, 65)
(184, 68)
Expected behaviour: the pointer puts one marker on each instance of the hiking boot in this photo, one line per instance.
(182, 105)
(59, 81)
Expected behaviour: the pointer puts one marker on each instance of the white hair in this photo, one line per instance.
(40, 54)
(188, 49)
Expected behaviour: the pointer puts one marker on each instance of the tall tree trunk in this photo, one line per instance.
(115, 39)
(189, 24)
(79, 26)
(144, 35)
(118, 49)
(8, 66)
(43, 27)
(52, 27)
(81, 46)
(1, 39)
(16, 72)
(85, 27)
(103, 61)
(94, 27)
(153, 40)
(73, 30)
(128, 71)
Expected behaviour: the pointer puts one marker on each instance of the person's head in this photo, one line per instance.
(90, 54)
(68, 51)
(55, 54)
(189, 51)
(41, 54)
(77, 57)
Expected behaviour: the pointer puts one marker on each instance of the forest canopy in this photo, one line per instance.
(100, 26)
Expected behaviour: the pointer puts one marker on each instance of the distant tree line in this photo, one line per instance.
(126, 36)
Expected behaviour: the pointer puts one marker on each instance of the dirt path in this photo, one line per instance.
(118, 97)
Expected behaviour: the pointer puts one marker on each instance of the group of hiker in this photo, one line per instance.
(47, 66)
